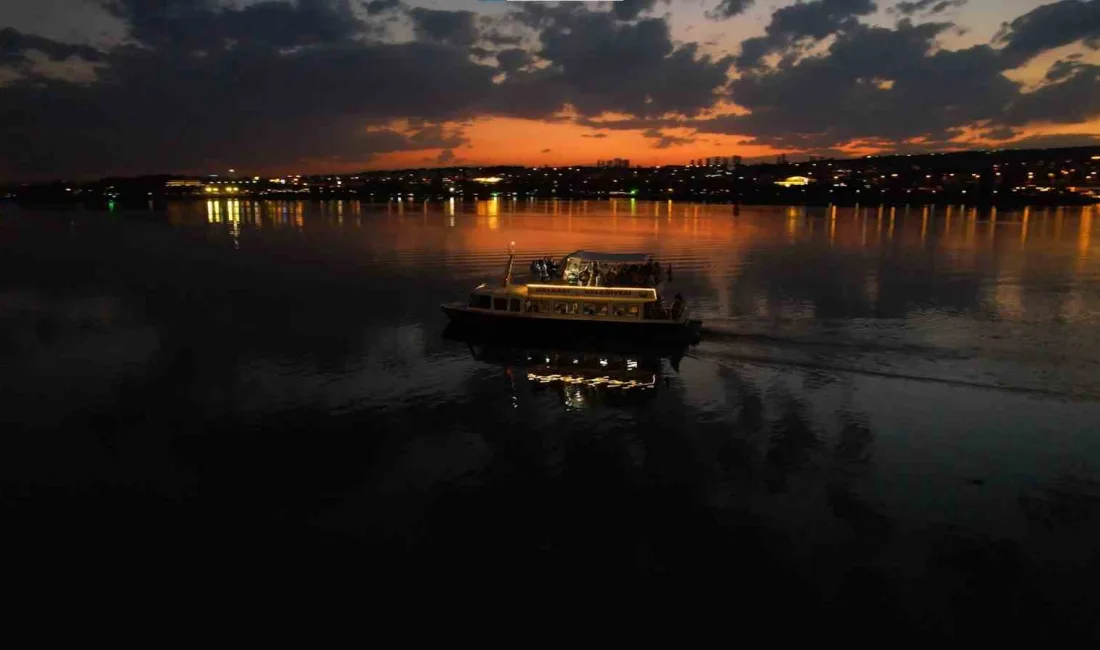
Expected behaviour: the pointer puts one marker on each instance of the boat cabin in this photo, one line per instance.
(509, 298)
(565, 300)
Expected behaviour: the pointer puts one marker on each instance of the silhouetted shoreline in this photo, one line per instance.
(1005, 203)
(996, 178)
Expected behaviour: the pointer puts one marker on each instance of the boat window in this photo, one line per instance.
(589, 309)
(479, 302)
(561, 308)
(500, 304)
(513, 304)
(632, 310)
(533, 306)
(574, 307)
(619, 309)
(602, 309)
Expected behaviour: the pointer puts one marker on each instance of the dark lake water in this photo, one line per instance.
(893, 418)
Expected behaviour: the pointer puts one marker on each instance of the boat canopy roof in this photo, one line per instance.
(615, 258)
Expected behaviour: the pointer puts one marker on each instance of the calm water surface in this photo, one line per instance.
(893, 418)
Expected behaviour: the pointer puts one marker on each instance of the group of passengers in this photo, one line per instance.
(544, 269)
(650, 274)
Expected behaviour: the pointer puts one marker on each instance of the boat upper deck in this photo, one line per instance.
(598, 269)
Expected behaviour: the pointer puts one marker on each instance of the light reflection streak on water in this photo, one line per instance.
(234, 216)
(213, 211)
(832, 226)
(1084, 234)
(700, 237)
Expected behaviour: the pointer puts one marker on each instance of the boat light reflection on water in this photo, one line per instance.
(594, 381)
(584, 375)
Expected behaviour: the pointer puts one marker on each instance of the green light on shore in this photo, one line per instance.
(633, 192)
(111, 206)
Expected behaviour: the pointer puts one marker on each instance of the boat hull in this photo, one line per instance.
(510, 324)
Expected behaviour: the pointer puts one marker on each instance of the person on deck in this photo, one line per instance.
(678, 307)
(659, 310)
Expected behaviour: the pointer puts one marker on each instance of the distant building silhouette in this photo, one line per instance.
(718, 161)
(614, 162)
(781, 159)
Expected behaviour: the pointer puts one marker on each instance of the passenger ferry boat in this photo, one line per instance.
(587, 295)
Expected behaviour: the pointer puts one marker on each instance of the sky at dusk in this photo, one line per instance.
(96, 87)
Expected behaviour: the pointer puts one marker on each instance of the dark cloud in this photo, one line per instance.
(594, 135)
(203, 25)
(1050, 26)
(632, 124)
(729, 8)
(804, 22)
(375, 7)
(873, 84)
(665, 141)
(431, 137)
(542, 15)
(1064, 68)
(1070, 96)
(546, 150)
(883, 87)
(930, 7)
(445, 157)
(602, 65)
(434, 136)
(512, 60)
(15, 45)
(453, 27)
(631, 9)
(500, 39)
(533, 94)
(181, 101)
